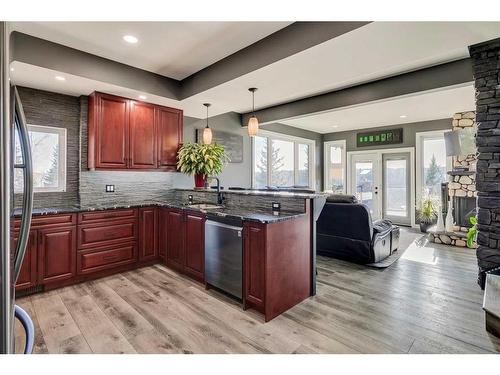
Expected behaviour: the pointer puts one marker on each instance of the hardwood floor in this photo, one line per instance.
(426, 302)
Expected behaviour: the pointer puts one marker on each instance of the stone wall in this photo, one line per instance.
(463, 120)
(486, 68)
(60, 111)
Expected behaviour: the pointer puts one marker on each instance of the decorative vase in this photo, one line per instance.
(440, 222)
(199, 180)
(424, 226)
(449, 218)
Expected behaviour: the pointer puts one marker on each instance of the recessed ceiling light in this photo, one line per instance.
(60, 78)
(130, 39)
(11, 69)
(335, 126)
(402, 116)
(143, 97)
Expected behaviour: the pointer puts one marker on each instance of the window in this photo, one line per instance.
(335, 161)
(289, 162)
(48, 149)
(432, 163)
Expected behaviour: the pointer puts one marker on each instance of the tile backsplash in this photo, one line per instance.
(130, 188)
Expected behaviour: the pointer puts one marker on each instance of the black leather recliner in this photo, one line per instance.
(345, 230)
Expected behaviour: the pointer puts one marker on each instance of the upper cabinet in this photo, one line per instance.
(127, 134)
(169, 135)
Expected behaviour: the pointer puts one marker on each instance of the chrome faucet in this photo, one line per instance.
(220, 194)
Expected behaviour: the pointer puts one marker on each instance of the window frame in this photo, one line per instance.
(63, 145)
(296, 141)
(420, 137)
(326, 161)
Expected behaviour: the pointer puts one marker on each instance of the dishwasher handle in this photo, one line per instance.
(222, 225)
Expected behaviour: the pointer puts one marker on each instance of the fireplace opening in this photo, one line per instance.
(463, 207)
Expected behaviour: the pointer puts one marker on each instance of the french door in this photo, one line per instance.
(383, 181)
(365, 181)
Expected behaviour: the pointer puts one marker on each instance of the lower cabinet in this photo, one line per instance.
(194, 246)
(185, 250)
(109, 239)
(90, 261)
(28, 274)
(277, 265)
(254, 260)
(148, 234)
(162, 233)
(50, 253)
(57, 253)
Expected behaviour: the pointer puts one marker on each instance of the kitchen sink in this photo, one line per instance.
(205, 206)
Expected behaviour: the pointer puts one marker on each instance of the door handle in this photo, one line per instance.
(27, 209)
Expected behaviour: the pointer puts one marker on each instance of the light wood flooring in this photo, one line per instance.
(426, 302)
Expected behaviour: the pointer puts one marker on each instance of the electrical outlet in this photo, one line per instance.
(110, 188)
(276, 206)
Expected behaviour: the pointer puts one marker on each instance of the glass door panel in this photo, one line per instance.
(365, 182)
(396, 187)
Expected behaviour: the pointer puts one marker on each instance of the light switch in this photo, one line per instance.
(110, 188)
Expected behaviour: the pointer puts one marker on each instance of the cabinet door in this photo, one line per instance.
(175, 239)
(28, 275)
(112, 130)
(195, 245)
(162, 232)
(148, 233)
(57, 254)
(169, 130)
(255, 264)
(142, 136)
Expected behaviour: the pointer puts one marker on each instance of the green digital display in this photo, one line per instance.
(380, 137)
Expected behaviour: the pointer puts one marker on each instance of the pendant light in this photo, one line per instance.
(207, 132)
(253, 123)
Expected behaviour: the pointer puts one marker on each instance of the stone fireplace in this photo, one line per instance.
(486, 68)
(461, 189)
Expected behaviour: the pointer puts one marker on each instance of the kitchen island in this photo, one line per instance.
(75, 244)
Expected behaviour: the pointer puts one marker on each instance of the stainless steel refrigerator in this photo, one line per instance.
(12, 122)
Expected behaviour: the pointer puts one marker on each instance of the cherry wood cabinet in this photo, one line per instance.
(162, 233)
(255, 262)
(129, 134)
(186, 243)
(175, 239)
(57, 254)
(277, 265)
(169, 136)
(142, 136)
(28, 274)
(194, 245)
(99, 259)
(148, 233)
(108, 132)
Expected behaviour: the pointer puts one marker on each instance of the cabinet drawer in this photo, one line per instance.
(48, 221)
(95, 216)
(95, 235)
(104, 258)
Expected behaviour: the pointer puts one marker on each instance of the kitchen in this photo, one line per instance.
(109, 224)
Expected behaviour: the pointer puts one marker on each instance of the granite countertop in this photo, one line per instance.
(248, 214)
(267, 193)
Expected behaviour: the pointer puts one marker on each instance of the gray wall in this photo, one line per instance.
(61, 111)
(233, 174)
(409, 131)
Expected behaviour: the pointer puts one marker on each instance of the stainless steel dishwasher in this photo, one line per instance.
(224, 254)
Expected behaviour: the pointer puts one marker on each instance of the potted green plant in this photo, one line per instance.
(427, 213)
(472, 232)
(201, 161)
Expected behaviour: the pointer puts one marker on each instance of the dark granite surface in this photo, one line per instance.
(266, 193)
(244, 213)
